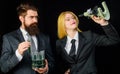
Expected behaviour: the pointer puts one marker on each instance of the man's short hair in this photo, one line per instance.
(24, 7)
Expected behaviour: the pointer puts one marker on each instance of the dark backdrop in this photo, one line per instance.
(106, 57)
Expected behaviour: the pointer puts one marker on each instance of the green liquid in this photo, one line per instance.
(38, 63)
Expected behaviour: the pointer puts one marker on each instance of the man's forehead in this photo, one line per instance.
(32, 13)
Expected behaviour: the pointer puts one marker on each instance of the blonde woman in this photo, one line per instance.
(82, 60)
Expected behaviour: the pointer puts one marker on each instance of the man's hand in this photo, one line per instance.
(23, 47)
(68, 71)
(42, 70)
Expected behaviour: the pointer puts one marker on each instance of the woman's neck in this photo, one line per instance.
(71, 33)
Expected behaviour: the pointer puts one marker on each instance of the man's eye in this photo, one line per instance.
(31, 16)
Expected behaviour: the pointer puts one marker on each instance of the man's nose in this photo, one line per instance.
(35, 19)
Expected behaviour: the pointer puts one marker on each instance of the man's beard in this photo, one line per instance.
(32, 29)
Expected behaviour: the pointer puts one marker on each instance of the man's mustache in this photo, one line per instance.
(35, 23)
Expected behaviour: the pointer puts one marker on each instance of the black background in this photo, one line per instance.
(106, 57)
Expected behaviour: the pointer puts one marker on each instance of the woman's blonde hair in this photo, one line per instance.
(61, 24)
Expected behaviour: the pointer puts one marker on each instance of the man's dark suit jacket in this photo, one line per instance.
(85, 58)
(10, 63)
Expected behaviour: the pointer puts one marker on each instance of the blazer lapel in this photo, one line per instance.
(38, 42)
(65, 54)
(19, 36)
(41, 42)
(80, 45)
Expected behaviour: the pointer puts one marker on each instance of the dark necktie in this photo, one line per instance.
(73, 49)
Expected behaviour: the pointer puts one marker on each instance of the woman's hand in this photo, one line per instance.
(99, 20)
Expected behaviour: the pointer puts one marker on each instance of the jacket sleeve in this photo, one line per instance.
(111, 36)
(8, 59)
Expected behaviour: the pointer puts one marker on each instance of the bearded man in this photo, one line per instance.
(15, 57)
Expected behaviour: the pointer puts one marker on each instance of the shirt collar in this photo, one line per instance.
(23, 31)
(75, 37)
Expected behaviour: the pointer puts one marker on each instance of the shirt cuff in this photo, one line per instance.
(19, 56)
